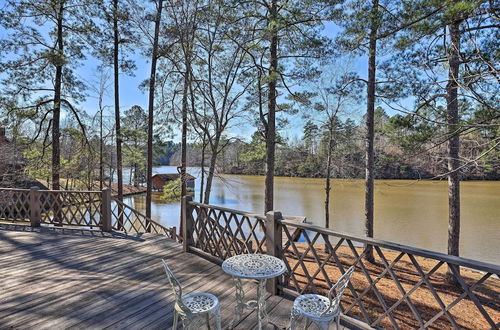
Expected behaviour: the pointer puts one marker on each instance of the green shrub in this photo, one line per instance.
(172, 191)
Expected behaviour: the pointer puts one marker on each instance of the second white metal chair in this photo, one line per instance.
(193, 305)
(319, 309)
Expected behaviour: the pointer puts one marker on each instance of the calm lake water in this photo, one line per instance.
(415, 214)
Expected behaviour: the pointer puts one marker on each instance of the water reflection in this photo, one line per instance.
(415, 215)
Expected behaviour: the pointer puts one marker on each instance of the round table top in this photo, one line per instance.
(254, 266)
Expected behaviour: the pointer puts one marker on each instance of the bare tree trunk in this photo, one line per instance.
(137, 183)
(152, 81)
(116, 67)
(56, 117)
(184, 130)
(271, 114)
(182, 173)
(56, 114)
(202, 179)
(132, 177)
(101, 161)
(328, 187)
(211, 169)
(453, 143)
(370, 134)
(111, 176)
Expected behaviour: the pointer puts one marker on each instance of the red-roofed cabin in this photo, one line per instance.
(160, 180)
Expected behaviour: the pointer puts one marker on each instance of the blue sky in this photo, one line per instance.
(130, 94)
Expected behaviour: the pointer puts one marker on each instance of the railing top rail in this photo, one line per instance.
(225, 209)
(14, 189)
(75, 191)
(459, 261)
(54, 191)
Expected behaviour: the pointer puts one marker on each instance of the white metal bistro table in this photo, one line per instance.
(255, 267)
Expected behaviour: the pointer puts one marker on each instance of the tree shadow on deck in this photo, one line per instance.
(116, 285)
(94, 233)
(102, 255)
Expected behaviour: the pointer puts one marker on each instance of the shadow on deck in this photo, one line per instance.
(63, 278)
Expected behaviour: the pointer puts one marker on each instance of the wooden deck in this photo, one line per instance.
(63, 278)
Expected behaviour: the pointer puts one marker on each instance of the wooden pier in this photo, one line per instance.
(66, 278)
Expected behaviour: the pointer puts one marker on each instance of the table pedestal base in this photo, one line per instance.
(258, 305)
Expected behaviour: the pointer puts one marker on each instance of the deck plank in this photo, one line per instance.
(52, 290)
(129, 310)
(114, 293)
(76, 279)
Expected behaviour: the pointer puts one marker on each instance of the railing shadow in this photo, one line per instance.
(95, 233)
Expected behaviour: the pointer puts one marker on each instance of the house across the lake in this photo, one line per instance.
(160, 180)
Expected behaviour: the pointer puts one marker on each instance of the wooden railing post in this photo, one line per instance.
(273, 244)
(187, 222)
(106, 210)
(35, 208)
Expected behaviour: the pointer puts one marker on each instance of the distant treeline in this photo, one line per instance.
(404, 149)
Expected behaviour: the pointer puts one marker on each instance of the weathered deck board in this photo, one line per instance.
(76, 279)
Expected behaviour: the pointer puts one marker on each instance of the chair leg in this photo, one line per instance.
(338, 321)
(208, 320)
(324, 325)
(176, 320)
(217, 320)
(293, 321)
(186, 323)
(306, 323)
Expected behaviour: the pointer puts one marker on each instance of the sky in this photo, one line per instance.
(131, 94)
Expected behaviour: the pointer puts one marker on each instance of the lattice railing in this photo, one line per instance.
(90, 209)
(127, 219)
(406, 287)
(73, 208)
(14, 204)
(55, 207)
(223, 232)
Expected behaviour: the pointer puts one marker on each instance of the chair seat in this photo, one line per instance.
(314, 306)
(199, 302)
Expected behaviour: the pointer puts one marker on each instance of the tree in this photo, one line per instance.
(220, 79)
(294, 26)
(311, 132)
(116, 80)
(116, 40)
(177, 48)
(335, 95)
(99, 88)
(152, 85)
(42, 53)
(385, 19)
(334, 101)
(181, 31)
(254, 154)
(135, 139)
(359, 36)
(459, 74)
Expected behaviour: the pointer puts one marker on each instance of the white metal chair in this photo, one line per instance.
(192, 306)
(319, 309)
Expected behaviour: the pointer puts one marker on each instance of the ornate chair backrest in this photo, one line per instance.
(336, 292)
(176, 286)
